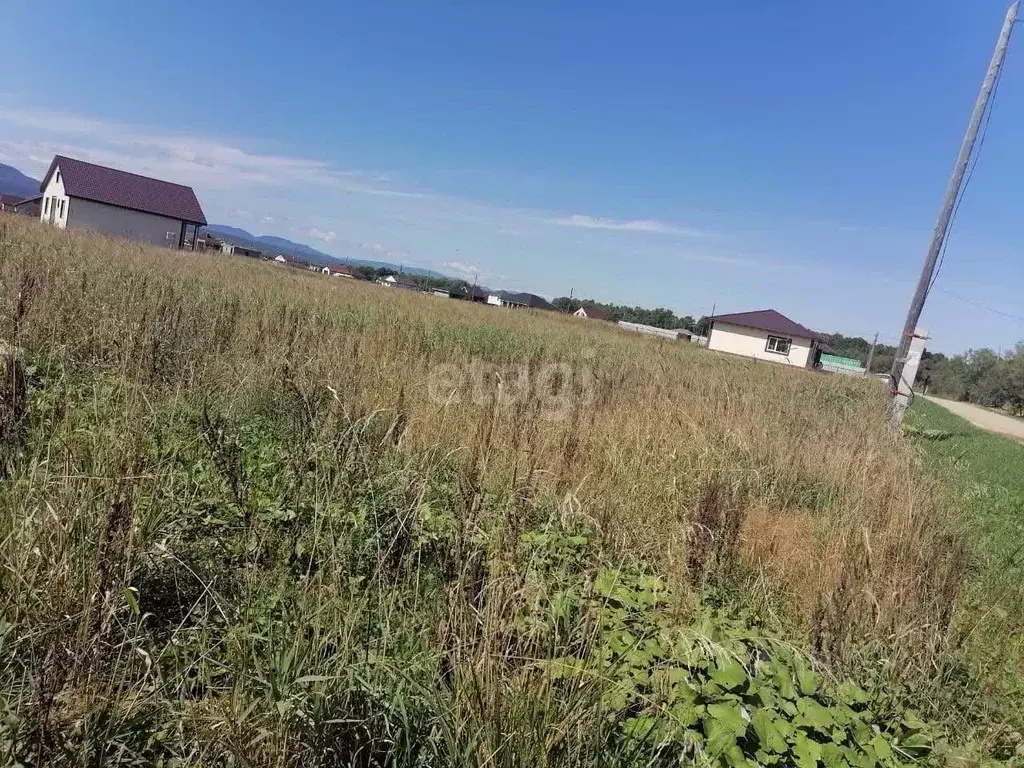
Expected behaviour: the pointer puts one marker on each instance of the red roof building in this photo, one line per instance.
(766, 335)
(83, 195)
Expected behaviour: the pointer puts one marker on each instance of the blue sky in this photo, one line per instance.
(748, 155)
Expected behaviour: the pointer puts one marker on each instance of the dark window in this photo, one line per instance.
(46, 206)
(58, 177)
(62, 209)
(779, 345)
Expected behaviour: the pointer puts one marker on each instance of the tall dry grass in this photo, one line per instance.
(871, 554)
(678, 456)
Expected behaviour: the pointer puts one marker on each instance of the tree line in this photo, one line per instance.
(659, 317)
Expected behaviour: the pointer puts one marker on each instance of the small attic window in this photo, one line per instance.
(58, 176)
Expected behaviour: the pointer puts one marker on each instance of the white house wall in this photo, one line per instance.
(751, 343)
(121, 222)
(54, 192)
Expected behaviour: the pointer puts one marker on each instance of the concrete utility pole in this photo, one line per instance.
(904, 397)
(899, 376)
(871, 355)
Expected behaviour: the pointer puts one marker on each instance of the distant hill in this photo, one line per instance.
(14, 182)
(273, 245)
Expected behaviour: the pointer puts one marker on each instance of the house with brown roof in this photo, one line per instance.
(766, 335)
(26, 206)
(80, 195)
(592, 313)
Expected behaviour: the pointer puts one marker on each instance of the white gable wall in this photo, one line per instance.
(751, 342)
(54, 193)
(121, 222)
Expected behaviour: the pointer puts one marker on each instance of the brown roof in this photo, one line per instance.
(595, 313)
(126, 190)
(767, 320)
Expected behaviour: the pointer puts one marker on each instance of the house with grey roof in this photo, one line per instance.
(80, 195)
(766, 335)
(519, 300)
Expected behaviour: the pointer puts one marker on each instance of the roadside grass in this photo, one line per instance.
(985, 474)
(252, 516)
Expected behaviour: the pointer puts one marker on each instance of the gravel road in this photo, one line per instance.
(985, 418)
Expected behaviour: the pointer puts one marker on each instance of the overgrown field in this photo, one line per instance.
(251, 516)
(986, 473)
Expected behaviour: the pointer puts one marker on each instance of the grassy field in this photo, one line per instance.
(252, 516)
(986, 474)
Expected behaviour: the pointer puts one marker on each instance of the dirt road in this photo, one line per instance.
(985, 418)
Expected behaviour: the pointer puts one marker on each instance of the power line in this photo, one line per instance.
(911, 347)
(970, 175)
(982, 305)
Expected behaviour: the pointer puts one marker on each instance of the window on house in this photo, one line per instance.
(58, 177)
(46, 206)
(778, 344)
(62, 209)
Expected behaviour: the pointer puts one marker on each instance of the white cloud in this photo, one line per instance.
(468, 271)
(189, 159)
(630, 225)
(323, 235)
(351, 208)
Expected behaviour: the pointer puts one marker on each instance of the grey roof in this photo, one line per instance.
(125, 190)
(526, 299)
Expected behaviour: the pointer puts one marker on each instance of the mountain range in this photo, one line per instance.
(273, 245)
(14, 182)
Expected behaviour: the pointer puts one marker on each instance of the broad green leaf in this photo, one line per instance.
(851, 693)
(684, 713)
(917, 743)
(881, 747)
(763, 758)
(806, 752)
(723, 724)
(784, 682)
(735, 758)
(913, 722)
(729, 673)
(720, 737)
(807, 680)
(771, 730)
(813, 715)
(640, 728)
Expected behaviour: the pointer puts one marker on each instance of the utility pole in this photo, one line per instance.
(871, 355)
(902, 389)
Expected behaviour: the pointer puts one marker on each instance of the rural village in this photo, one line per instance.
(377, 506)
(78, 195)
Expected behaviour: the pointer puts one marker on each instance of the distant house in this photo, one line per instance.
(279, 259)
(340, 271)
(467, 292)
(766, 335)
(80, 195)
(230, 248)
(26, 206)
(399, 281)
(592, 313)
(9, 201)
(515, 300)
(674, 334)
